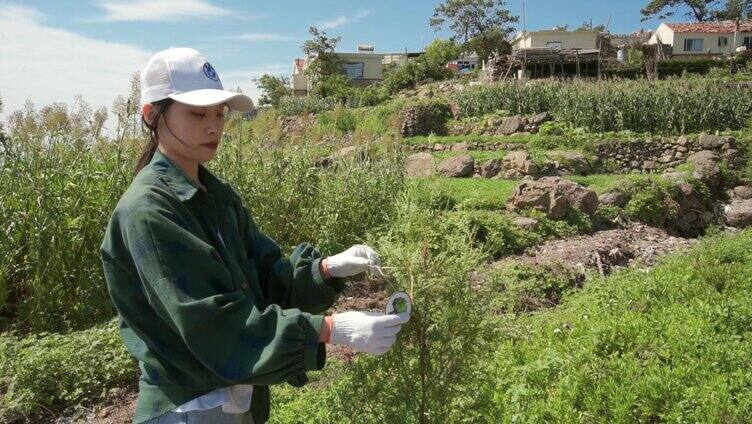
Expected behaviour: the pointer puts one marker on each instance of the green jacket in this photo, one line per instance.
(205, 299)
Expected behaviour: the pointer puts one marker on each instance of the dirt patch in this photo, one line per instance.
(116, 409)
(606, 250)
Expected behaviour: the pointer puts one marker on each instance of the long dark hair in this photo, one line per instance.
(151, 128)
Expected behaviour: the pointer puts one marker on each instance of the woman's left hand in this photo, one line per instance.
(352, 261)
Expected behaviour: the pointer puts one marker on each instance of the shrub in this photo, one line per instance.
(293, 106)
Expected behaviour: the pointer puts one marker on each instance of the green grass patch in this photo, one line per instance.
(473, 193)
(668, 345)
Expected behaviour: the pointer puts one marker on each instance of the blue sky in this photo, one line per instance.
(58, 49)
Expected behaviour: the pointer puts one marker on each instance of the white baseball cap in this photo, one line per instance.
(184, 75)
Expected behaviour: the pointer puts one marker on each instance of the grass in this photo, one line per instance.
(476, 193)
(668, 345)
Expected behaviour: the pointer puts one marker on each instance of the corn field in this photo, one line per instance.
(672, 106)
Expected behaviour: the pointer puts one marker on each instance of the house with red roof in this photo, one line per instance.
(690, 39)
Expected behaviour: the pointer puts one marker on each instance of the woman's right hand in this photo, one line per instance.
(370, 332)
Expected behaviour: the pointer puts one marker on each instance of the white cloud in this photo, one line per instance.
(46, 64)
(341, 20)
(161, 10)
(263, 36)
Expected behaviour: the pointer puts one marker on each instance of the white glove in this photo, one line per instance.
(352, 261)
(369, 332)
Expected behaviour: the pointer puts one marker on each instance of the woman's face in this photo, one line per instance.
(191, 132)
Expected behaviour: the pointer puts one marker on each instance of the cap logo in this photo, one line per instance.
(210, 72)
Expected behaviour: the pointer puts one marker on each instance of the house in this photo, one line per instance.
(555, 39)
(704, 38)
(363, 68)
(466, 63)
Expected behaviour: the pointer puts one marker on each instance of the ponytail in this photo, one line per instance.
(151, 146)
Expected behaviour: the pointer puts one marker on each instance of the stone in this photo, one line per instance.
(613, 198)
(682, 149)
(552, 196)
(511, 125)
(666, 159)
(459, 147)
(649, 165)
(491, 168)
(526, 223)
(437, 147)
(706, 169)
(420, 165)
(573, 161)
(707, 141)
(682, 141)
(739, 213)
(743, 192)
(521, 162)
(457, 167)
(513, 175)
(692, 214)
(540, 118)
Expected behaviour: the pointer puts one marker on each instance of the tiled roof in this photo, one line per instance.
(723, 27)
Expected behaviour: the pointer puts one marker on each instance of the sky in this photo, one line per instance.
(52, 51)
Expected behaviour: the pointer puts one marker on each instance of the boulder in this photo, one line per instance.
(521, 162)
(513, 175)
(420, 165)
(743, 192)
(708, 141)
(613, 198)
(706, 169)
(491, 168)
(457, 167)
(692, 215)
(552, 196)
(739, 213)
(572, 161)
(459, 147)
(511, 125)
(526, 223)
(540, 118)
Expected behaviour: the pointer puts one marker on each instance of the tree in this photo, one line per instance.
(273, 89)
(485, 21)
(588, 26)
(322, 61)
(441, 51)
(700, 10)
(734, 9)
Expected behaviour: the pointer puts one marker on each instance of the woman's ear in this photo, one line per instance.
(149, 113)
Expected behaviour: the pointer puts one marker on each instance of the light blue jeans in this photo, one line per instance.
(209, 416)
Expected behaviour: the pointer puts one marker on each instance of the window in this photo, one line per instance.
(747, 42)
(354, 69)
(693, 45)
(722, 41)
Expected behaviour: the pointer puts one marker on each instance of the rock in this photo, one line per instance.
(573, 161)
(552, 195)
(521, 162)
(666, 159)
(438, 147)
(743, 192)
(513, 175)
(348, 151)
(692, 215)
(459, 147)
(613, 198)
(682, 141)
(526, 223)
(649, 165)
(424, 120)
(706, 169)
(323, 162)
(739, 213)
(540, 118)
(420, 165)
(511, 125)
(457, 167)
(454, 108)
(707, 141)
(491, 168)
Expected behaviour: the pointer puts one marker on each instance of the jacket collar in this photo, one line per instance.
(182, 185)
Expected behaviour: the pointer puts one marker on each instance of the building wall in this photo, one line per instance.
(299, 82)
(709, 41)
(569, 40)
(372, 63)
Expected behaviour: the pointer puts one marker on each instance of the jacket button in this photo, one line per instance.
(244, 286)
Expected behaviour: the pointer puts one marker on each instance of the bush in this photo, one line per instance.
(47, 371)
(294, 106)
(524, 288)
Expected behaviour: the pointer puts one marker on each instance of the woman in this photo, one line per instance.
(207, 303)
